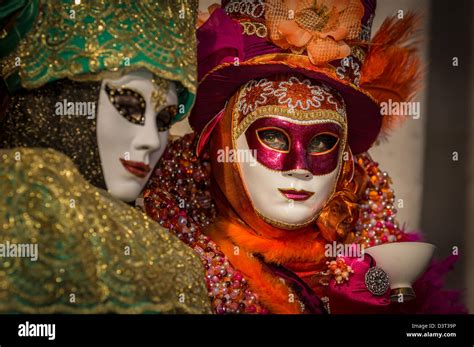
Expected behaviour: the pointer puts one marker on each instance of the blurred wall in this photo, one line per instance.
(470, 184)
(445, 213)
(402, 155)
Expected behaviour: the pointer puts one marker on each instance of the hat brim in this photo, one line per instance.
(217, 86)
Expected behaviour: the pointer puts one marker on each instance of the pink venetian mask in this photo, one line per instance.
(282, 145)
(296, 130)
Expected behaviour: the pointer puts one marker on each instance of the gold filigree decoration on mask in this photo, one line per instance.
(159, 95)
(273, 110)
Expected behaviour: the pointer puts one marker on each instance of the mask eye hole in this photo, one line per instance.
(129, 103)
(322, 143)
(165, 117)
(274, 138)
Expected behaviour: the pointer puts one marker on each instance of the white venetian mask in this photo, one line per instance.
(296, 131)
(286, 186)
(133, 117)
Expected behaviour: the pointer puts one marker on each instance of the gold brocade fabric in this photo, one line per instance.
(95, 254)
(91, 39)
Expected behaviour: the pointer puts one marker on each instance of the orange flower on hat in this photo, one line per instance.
(321, 27)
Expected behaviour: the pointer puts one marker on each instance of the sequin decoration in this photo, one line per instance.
(158, 96)
(129, 103)
(377, 224)
(376, 281)
(38, 118)
(165, 117)
(96, 254)
(253, 94)
(251, 8)
(178, 195)
(349, 68)
(254, 28)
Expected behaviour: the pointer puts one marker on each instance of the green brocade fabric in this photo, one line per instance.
(95, 254)
(99, 38)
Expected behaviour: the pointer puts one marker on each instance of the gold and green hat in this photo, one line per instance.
(87, 40)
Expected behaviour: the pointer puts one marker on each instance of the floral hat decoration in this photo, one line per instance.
(325, 40)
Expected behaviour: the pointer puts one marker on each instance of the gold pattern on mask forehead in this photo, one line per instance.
(239, 125)
(159, 95)
(268, 111)
(108, 255)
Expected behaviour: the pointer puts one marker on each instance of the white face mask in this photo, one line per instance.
(130, 144)
(286, 198)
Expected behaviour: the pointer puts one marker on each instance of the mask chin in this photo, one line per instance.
(127, 192)
(285, 199)
(126, 187)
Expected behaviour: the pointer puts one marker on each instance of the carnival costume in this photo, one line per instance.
(297, 84)
(79, 82)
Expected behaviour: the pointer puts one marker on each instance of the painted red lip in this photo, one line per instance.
(296, 195)
(136, 168)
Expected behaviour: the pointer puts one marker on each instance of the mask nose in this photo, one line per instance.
(147, 140)
(301, 174)
(147, 146)
(298, 164)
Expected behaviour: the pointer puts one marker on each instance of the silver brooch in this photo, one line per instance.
(376, 281)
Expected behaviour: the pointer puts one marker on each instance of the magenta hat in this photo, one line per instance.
(241, 41)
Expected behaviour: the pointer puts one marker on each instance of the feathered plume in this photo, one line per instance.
(392, 69)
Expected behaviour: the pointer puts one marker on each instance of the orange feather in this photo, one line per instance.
(392, 68)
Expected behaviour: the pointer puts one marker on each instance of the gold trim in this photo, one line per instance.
(329, 150)
(407, 293)
(273, 149)
(268, 111)
(285, 226)
(48, 64)
(255, 28)
(95, 77)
